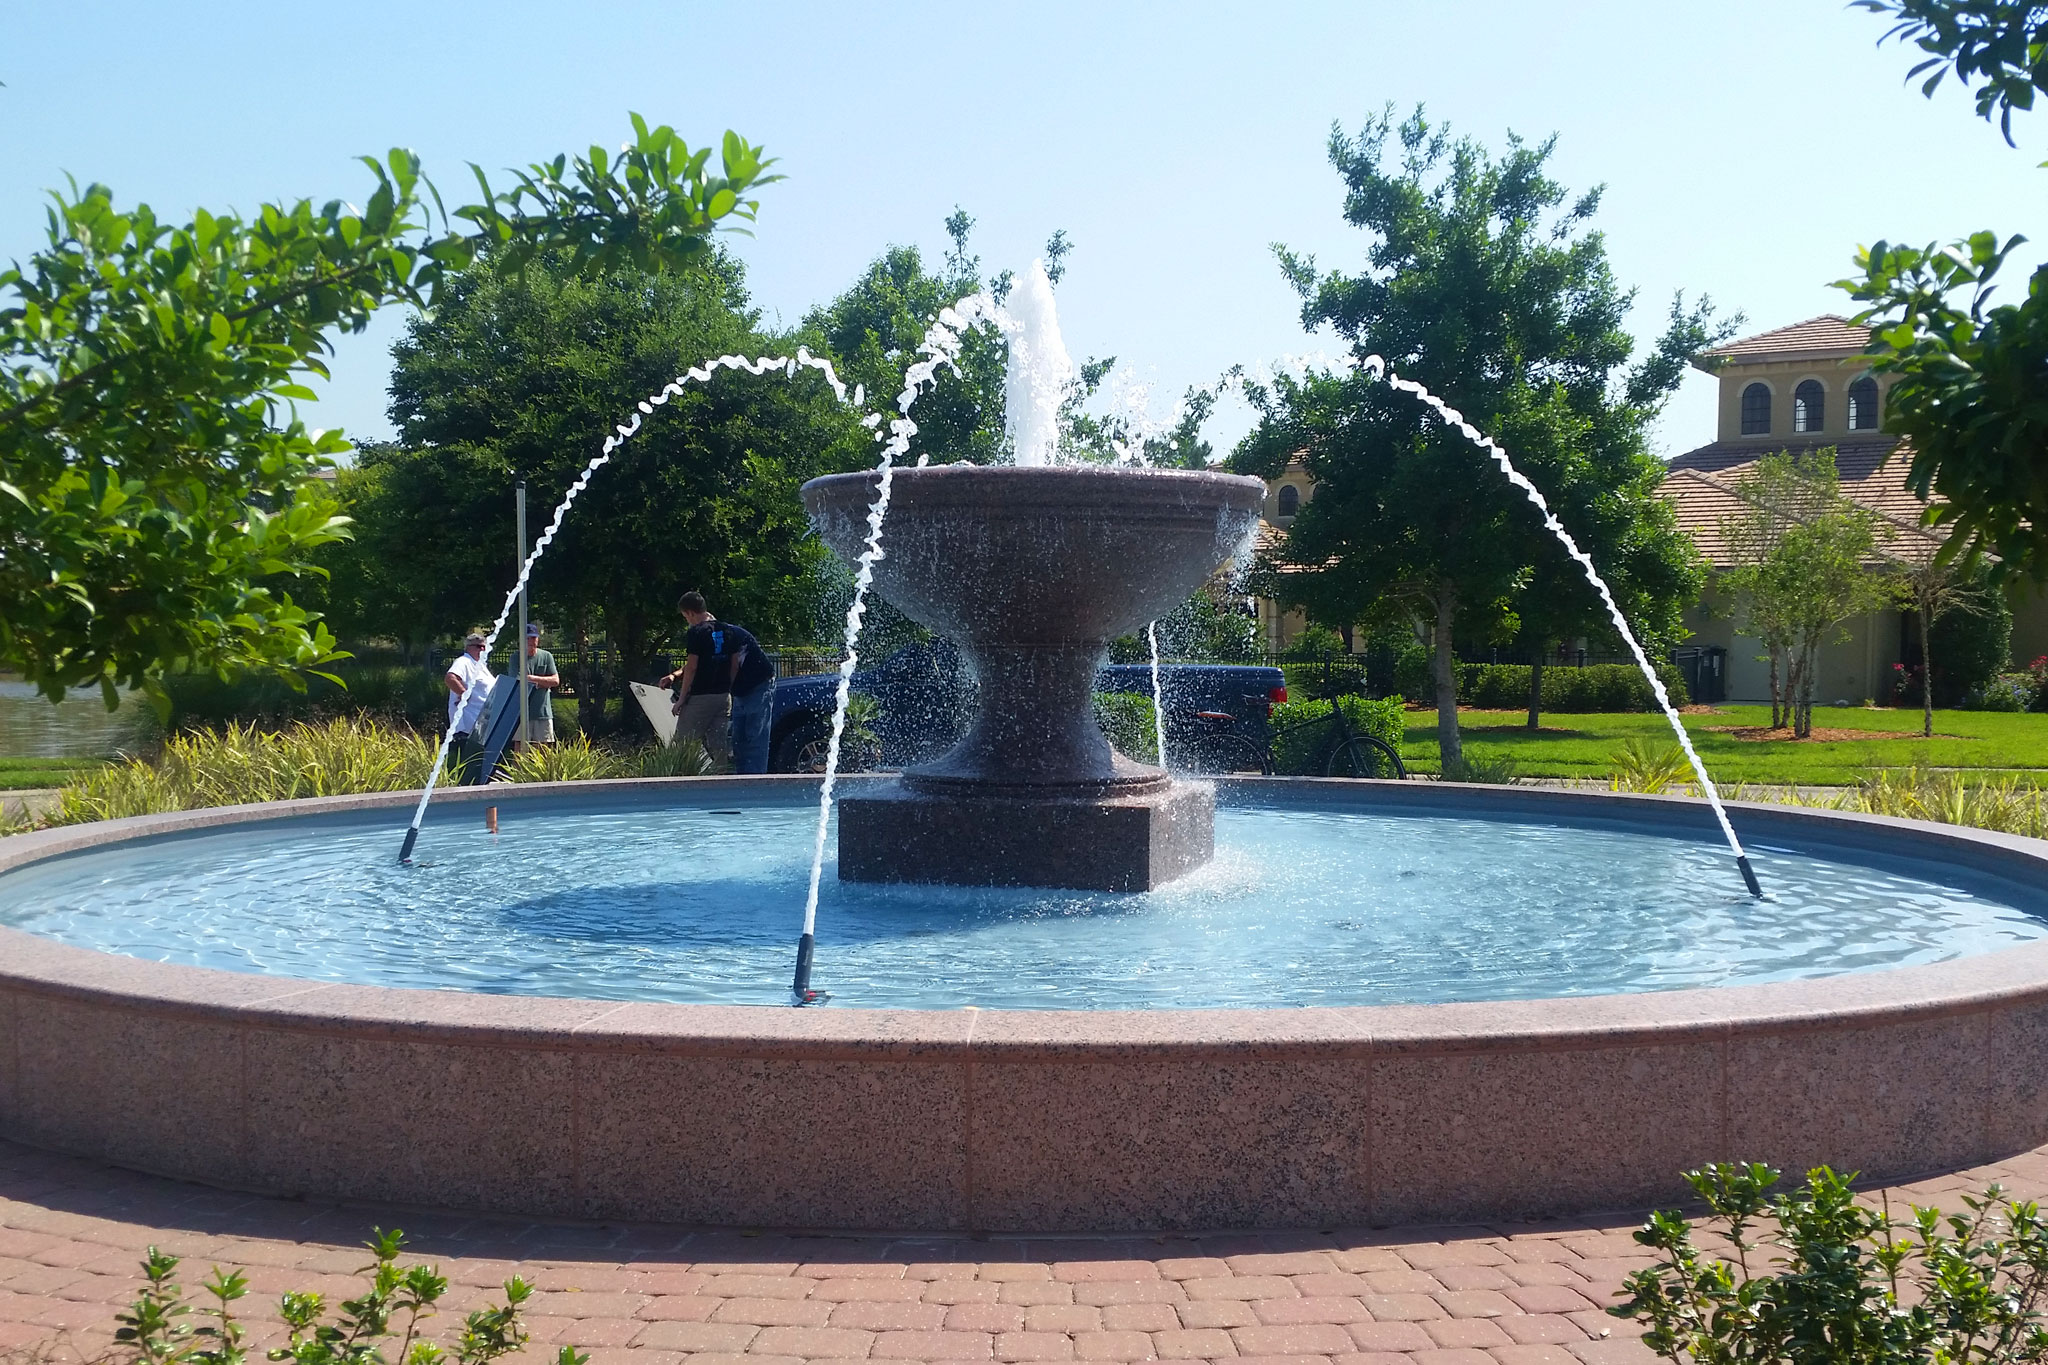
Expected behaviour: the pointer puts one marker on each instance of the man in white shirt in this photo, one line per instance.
(469, 687)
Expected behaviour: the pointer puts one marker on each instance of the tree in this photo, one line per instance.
(1931, 587)
(1483, 283)
(1968, 395)
(157, 487)
(873, 330)
(1803, 555)
(521, 376)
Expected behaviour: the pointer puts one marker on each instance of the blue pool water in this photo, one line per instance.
(1302, 906)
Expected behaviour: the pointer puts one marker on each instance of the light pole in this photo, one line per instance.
(519, 646)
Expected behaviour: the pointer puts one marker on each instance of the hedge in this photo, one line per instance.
(1129, 723)
(1302, 751)
(1505, 687)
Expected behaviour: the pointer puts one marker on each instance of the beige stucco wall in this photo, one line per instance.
(1782, 377)
(1853, 670)
(1298, 478)
(2029, 622)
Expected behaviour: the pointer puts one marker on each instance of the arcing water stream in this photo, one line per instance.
(1378, 369)
(803, 359)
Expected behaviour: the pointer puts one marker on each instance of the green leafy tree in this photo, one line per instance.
(158, 491)
(1804, 563)
(1968, 395)
(873, 330)
(1933, 588)
(1484, 283)
(521, 375)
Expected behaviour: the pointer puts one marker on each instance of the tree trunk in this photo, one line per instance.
(1536, 684)
(589, 705)
(1778, 716)
(1450, 748)
(1926, 673)
(1802, 692)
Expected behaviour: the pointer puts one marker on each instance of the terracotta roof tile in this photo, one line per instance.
(1826, 335)
(1701, 487)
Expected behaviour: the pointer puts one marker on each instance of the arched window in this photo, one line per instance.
(1809, 406)
(1290, 499)
(1863, 404)
(1756, 410)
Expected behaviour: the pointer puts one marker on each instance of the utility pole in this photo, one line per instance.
(519, 647)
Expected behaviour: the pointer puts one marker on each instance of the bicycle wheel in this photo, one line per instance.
(1231, 754)
(1364, 756)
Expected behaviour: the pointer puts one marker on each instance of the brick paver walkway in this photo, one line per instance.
(72, 1231)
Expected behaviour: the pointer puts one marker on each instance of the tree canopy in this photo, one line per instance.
(158, 488)
(522, 375)
(874, 328)
(1483, 281)
(1969, 395)
(1803, 565)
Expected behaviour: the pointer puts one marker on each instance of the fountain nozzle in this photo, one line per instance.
(1748, 875)
(800, 989)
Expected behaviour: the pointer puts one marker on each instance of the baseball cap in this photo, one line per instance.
(475, 637)
(532, 630)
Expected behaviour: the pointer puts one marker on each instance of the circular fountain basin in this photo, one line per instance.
(1382, 1003)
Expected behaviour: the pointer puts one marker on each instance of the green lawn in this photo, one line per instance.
(19, 774)
(1583, 745)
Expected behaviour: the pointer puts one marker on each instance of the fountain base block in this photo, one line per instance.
(1132, 842)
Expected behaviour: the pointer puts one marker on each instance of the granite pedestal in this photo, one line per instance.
(1133, 840)
(1033, 571)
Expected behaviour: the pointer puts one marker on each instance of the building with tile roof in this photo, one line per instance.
(1802, 388)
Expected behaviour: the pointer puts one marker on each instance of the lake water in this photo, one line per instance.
(80, 726)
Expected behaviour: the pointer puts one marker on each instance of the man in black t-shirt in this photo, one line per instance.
(724, 694)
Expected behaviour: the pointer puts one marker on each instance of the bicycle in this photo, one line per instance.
(1350, 752)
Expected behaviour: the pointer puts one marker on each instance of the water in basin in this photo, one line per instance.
(1304, 905)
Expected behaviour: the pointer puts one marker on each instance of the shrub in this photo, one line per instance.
(1412, 675)
(1596, 687)
(241, 764)
(566, 760)
(408, 694)
(2005, 804)
(1969, 647)
(1303, 751)
(1128, 721)
(158, 1328)
(578, 760)
(1832, 1278)
(1341, 675)
(1499, 770)
(1314, 642)
(1641, 767)
(2006, 692)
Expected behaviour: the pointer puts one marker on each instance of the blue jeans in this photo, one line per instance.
(748, 729)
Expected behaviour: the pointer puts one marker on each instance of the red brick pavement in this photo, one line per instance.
(71, 1233)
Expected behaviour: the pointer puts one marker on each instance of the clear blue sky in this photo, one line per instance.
(1744, 144)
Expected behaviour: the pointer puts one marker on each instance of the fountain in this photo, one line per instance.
(1378, 1002)
(1033, 570)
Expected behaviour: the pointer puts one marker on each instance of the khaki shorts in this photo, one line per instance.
(704, 719)
(540, 729)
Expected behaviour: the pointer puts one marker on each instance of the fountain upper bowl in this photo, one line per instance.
(1039, 554)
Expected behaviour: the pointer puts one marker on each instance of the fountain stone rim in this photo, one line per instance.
(1451, 1112)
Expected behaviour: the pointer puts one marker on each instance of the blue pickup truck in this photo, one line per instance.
(925, 696)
